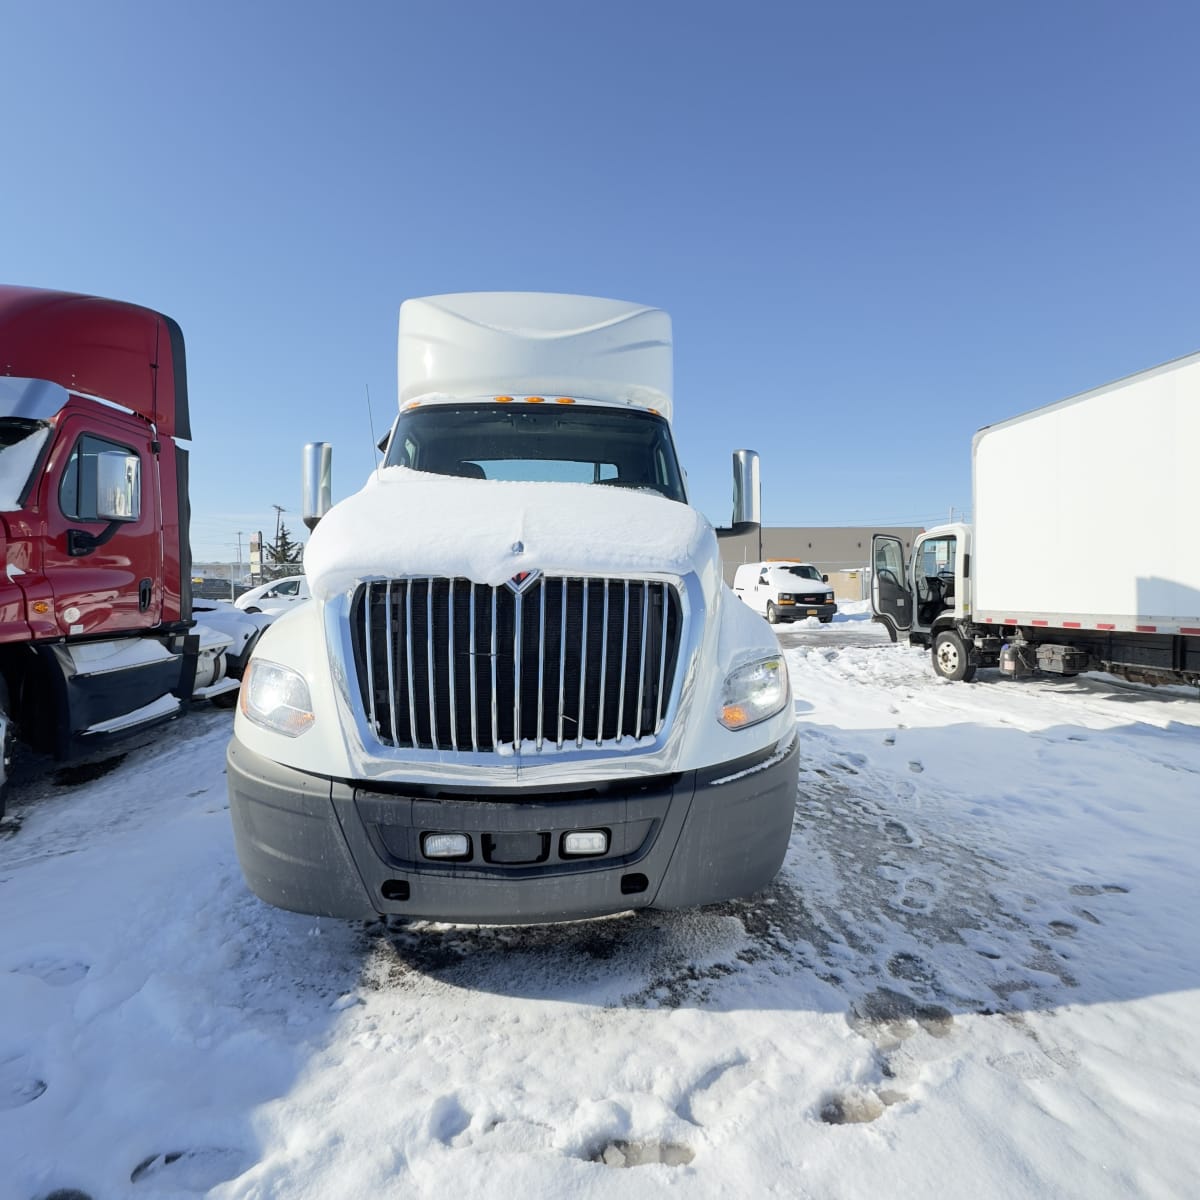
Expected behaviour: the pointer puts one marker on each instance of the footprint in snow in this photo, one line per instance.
(897, 833)
(886, 1017)
(1093, 889)
(639, 1154)
(917, 894)
(915, 767)
(198, 1170)
(57, 972)
(19, 1081)
(448, 1119)
(858, 1105)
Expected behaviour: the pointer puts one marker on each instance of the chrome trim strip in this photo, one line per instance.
(495, 695)
(453, 673)
(372, 717)
(518, 621)
(624, 665)
(474, 698)
(662, 656)
(583, 631)
(431, 666)
(541, 665)
(562, 663)
(603, 668)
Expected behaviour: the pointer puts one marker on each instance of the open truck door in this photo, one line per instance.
(891, 598)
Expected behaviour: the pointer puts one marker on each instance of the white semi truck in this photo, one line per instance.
(1083, 553)
(521, 692)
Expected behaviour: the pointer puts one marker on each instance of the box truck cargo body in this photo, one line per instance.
(521, 691)
(1083, 552)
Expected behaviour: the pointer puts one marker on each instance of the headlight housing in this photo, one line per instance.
(754, 692)
(276, 698)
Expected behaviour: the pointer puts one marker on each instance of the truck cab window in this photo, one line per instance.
(102, 482)
(934, 577)
(610, 446)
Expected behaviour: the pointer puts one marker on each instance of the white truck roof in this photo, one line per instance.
(474, 344)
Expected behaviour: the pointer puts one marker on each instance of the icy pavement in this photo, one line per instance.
(978, 974)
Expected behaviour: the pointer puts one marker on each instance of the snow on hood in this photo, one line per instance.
(414, 523)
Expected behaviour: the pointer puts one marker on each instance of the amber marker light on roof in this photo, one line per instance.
(564, 400)
(504, 399)
(535, 399)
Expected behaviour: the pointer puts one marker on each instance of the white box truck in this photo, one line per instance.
(1083, 552)
(521, 691)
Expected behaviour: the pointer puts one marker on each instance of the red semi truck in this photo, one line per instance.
(98, 632)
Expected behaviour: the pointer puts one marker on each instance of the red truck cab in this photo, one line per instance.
(97, 634)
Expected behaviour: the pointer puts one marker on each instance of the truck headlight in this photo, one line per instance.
(276, 698)
(753, 693)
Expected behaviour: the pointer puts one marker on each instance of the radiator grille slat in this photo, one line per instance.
(448, 665)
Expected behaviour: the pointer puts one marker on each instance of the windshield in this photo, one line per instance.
(617, 447)
(21, 441)
(25, 408)
(804, 571)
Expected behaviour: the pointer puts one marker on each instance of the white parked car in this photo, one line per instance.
(785, 591)
(277, 597)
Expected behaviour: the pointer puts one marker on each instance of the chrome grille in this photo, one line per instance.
(446, 664)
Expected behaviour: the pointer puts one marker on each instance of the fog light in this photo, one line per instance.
(584, 842)
(446, 845)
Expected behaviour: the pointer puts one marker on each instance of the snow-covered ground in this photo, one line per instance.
(978, 975)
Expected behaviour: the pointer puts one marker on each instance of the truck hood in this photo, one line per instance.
(406, 523)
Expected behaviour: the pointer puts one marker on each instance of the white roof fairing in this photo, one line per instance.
(473, 344)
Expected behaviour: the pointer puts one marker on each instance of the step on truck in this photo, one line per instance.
(98, 633)
(521, 691)
(1082, 555)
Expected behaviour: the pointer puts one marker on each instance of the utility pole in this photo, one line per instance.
(279, 511)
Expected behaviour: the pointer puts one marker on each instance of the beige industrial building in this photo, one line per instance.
(843, 553)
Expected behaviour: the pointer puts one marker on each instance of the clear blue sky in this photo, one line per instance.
(877, 226)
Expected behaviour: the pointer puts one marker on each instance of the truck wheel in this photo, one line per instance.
(950, 657)
(772, 613)
(825, 620)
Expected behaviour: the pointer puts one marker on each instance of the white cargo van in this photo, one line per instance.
(783, 590)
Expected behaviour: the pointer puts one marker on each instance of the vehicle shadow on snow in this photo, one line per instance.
(901, 898)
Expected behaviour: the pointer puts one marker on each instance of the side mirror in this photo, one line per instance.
(118, 486)
(824, 578)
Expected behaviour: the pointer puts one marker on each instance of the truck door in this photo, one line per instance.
(103, 548)
(891, 599)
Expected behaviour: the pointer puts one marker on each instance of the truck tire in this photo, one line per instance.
(950, 657)
(772, 613)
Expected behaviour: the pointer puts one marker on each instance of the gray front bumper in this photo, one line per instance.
(325, 847)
